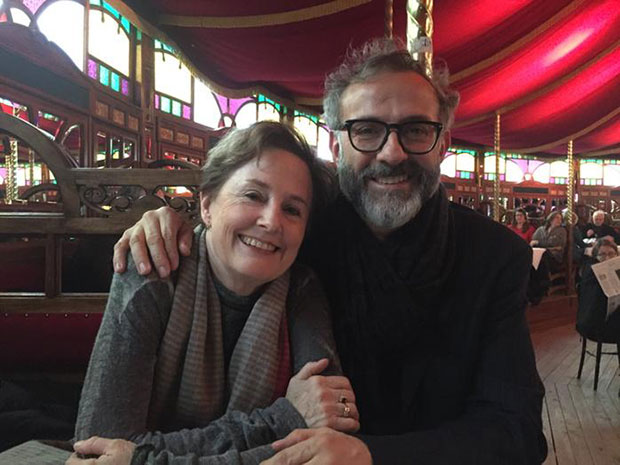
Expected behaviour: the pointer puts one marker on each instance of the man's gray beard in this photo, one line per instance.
(392, 209)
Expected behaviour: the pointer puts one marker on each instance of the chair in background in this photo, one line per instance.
(597, 355)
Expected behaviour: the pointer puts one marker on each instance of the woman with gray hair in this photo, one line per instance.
(201, 363)
(552, 236)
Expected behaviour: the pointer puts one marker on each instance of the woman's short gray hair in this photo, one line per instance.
(240, 146)
(378, 56)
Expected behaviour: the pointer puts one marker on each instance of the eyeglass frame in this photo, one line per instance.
(389, 128)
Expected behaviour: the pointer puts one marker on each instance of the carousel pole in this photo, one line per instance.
(11, 161)
(389, 18)
(11, 173)
(570, 197)
(496, 147)
(420, 32)
(31, 166)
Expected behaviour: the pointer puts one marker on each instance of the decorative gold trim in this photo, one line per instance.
(519, 43)
(576, 135)
(611, 150)
(543, 90)
(274, 19)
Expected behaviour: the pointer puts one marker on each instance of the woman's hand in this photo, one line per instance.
(108, 452)
(533, 243)
(323, 400)
(590, 233)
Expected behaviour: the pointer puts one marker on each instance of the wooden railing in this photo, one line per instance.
(90, 201)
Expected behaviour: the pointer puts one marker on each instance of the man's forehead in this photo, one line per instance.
(406, 93)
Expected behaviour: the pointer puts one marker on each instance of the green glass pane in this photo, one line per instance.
(157, 44)
(116, 82)
(138, 34)
(95, 2)
(165, 104)
(104, 75)
(176, 108)
(126, 24)
(111, 9)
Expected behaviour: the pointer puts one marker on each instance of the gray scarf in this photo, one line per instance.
(191, 386)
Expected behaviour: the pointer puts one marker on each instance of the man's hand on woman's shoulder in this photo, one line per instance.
(155, 240)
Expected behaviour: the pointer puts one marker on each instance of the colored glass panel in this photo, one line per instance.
(165, 104)
(20, 17)
(53, 23)
(104, 75)
(157, 101)
(187, 112)
(95, 2)
(125, 87)
(172, 77)
(176, 108)
(33, 5)
(92, 69)
(126, 24)
(108, 42)
(138, 35)
(111, 9)
(3, 18)
(115, 82)
(206, 109)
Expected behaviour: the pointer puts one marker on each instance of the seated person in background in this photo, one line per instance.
(592, 321)
(521, 226)
(551, 236)
(598, 228)
(221, 337)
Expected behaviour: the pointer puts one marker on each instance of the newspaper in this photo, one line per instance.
(537, 253)
(608, 275)
(34, 453)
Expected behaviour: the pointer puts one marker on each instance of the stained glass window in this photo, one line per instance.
(62, 22)
(465, 164)
(611, 174)
(107, 41)
(448, 165)
(246, 116)
(315, 134)
(172, 77)
(19, 17)
(489, 167)
(591, 172)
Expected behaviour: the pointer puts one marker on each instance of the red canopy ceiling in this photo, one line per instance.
(551, 68)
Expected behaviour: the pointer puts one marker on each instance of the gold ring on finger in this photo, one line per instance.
(347, 411)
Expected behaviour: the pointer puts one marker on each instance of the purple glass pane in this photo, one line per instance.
(125, 87)
(187, 112)
(92, 69)
(33, 5)
(157, 101)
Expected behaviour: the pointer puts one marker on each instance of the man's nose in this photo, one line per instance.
(392, 152)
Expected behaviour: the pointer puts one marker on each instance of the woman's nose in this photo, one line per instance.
(270, 218)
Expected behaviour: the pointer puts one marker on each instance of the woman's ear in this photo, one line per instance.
(205, 205)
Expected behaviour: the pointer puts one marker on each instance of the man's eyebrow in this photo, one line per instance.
(417, 117)
(264, 185)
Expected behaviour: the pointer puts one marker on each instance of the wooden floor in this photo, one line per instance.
(582, 426)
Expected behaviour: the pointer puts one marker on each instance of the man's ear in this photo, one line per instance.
(444, 143)
(205, 205)
(335, 147)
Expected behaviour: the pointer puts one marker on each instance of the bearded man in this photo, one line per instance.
(427, 297)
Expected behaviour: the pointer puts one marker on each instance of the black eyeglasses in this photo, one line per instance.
(415, 137)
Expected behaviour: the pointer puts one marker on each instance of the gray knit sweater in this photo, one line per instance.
(117, 389)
